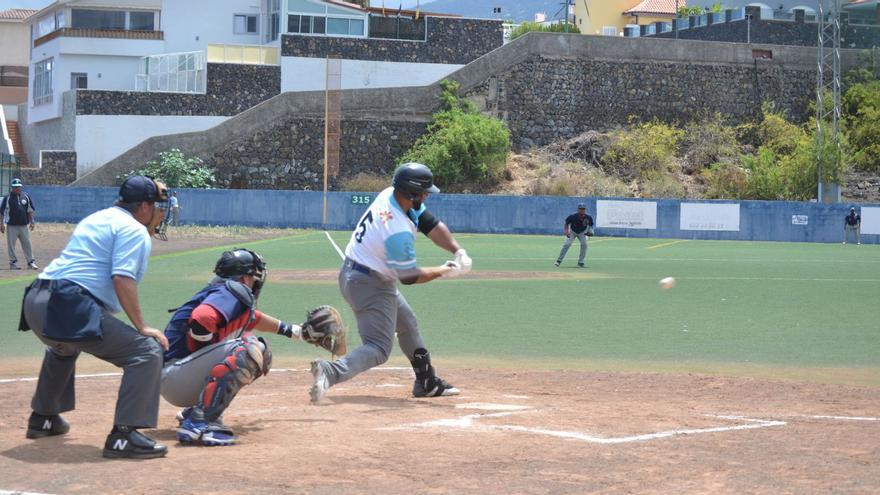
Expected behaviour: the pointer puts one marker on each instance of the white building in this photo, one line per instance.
(165, 46)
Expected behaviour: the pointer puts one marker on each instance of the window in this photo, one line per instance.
(79, 80)
(142, 21)
(98, 19)
(245, 24)
(43, 82)
(609, 31)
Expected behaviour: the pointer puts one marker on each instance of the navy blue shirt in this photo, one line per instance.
(853, 219)
(19, 205)
(579, 224)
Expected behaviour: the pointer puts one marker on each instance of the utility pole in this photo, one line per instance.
(828, 95)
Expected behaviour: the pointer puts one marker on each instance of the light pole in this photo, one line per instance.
(675, 20)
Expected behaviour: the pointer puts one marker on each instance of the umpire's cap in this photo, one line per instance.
(582, 206)
(141, 188)
(414, 178)
(15, 183)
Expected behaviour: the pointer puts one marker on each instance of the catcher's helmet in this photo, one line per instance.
(414, 178)
(240, 262)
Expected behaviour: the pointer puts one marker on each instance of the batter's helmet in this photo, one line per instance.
(414, 178)
(241, 262)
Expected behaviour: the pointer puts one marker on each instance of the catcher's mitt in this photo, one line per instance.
(323, 328)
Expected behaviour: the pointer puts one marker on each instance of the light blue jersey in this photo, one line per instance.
(106, 243)
(384, 239)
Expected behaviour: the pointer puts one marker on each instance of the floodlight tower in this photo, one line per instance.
(828, 92)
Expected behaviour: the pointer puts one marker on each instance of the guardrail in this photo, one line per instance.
(127, 34)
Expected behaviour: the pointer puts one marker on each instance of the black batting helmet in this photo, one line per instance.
(414, 178)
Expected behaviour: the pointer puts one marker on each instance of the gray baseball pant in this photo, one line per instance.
(19, 232)
(184, 379)
(140, 357)
(381, 311)
(568, 240)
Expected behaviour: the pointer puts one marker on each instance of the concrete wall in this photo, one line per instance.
(759, 220)
(15, 39)
(104, 137)
(56, 134)
(310, 74)
(191, 24)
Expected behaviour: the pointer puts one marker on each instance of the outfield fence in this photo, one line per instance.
(619, 217)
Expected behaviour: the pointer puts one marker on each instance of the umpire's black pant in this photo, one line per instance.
(139, 357)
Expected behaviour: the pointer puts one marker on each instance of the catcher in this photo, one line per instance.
(213, 354)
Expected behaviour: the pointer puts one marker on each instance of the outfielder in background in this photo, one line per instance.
(578, 225)
(212, 353)
(381, 252)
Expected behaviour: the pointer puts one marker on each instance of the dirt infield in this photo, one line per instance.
(509, 432)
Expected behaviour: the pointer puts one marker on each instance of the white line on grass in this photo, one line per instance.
(14, 492)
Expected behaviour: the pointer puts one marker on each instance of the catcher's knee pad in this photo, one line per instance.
(248, 360)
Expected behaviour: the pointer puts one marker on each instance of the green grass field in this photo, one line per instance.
(779, 310)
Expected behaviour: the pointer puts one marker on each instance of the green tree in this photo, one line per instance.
(465, 150)
(177, 171)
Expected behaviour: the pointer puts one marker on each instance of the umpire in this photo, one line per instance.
(578, 225)
(70, 307)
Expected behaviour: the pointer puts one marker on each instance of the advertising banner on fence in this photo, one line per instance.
(707, 216)
(626, 214)
(870, 220)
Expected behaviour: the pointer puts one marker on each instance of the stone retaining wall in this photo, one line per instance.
(231, 89)
(57, 168)
(449, 41)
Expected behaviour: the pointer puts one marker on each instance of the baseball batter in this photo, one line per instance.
(381, 251)
(212, 353)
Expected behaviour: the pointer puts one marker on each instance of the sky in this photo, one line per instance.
(23, 4)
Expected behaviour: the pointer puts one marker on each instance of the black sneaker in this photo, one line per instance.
(437, 388)
(40, 426)
(128, 443)
(580, 265)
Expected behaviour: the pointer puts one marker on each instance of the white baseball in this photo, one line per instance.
(667, 283)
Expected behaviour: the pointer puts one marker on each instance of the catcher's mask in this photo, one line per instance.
(414, 179)
(240, 262)
(138, 188)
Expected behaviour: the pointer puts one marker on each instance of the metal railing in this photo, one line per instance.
(128, 34)
(9, 169)
(173, 73)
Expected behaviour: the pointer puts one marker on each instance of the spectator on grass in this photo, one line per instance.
(18, 224)
(852, 223)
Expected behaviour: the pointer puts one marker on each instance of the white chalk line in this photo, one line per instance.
(16, 492)
(469, 422)
(839, 418)
(116, 373)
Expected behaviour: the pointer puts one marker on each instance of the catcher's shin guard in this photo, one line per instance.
(247, 361)
(427, 383)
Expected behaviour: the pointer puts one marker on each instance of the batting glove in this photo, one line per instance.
(456, 269)
(464, 261)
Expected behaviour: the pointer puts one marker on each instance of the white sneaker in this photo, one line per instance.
(321, 385)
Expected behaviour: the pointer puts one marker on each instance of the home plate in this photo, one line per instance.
(486, 406)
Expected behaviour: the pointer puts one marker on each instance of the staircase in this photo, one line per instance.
(17, 146)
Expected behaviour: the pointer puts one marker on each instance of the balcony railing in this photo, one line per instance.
(100, 33)
(15, 76)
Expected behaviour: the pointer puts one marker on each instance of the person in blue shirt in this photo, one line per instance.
(71, 306)
(578, 225)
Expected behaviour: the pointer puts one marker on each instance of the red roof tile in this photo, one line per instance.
(17, 14)
(664, 7)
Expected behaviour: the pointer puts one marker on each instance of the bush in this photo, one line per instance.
(708, 142)
(465, 150)
(176, 171)
(364, 182)
(861, 112)
(648, 147)
(658, 185)
(726, 181)
(528, 27)
(575, 181)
